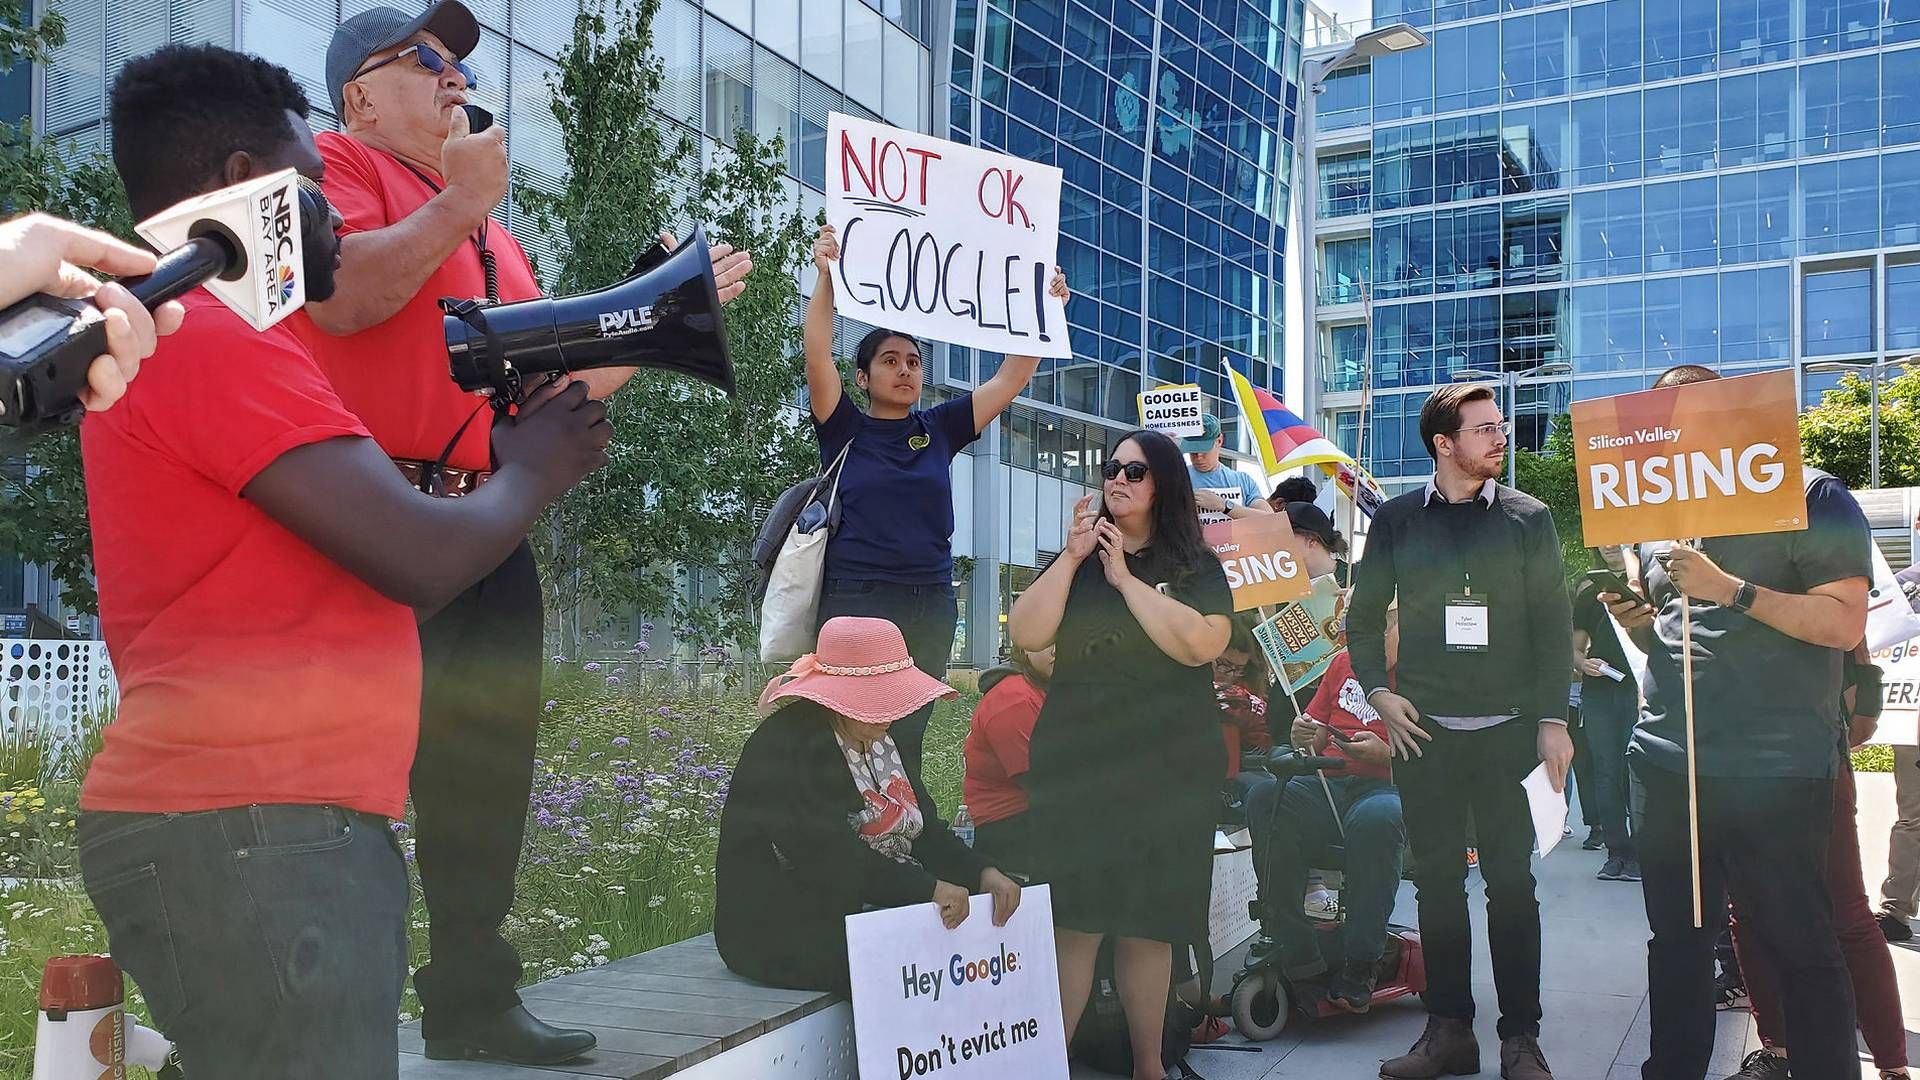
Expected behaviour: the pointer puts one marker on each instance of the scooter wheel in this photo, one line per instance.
(1261, 1006)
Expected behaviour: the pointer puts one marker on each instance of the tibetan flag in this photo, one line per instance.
(1255, 408)
(1285, 441)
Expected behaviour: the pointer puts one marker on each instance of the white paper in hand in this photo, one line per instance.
(1549, 809)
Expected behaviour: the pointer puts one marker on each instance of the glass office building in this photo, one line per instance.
(1172, 121)
(1617, 186)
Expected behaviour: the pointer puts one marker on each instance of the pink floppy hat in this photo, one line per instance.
(860, 669)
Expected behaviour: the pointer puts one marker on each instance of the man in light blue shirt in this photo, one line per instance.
(1220, 492)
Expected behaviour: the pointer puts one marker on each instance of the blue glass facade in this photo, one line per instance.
(1619, 186)
(1174, 136)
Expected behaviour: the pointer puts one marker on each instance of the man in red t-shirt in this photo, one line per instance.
(995, 787)
(1299, 825)
(258, 574)
(416, 188)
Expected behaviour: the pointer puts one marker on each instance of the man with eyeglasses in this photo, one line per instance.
(416, 187)
(1479, 699)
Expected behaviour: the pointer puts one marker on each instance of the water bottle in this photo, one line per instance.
(963, 825)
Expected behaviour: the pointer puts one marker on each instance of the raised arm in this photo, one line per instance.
(382, 269)
(1034, 621)
(993, 396)
(823, 374)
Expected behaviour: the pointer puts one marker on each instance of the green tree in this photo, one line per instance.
(21, 39)
(1835, 435)
(690, 470)
(1550, 477)
(43, 503)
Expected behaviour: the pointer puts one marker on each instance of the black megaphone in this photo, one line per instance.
(665, 316)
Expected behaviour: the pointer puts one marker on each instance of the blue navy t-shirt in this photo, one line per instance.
(896, 491)
(1765, 704)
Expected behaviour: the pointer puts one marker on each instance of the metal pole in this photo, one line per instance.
(1513, 410)
(1305, 212)
(1873, 424)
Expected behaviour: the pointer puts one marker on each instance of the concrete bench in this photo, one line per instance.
(677, 1011)
(673, 1011)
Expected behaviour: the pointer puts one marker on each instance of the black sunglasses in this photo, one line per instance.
(1136, 470)
(429, 59)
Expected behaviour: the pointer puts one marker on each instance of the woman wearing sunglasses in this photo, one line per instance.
(892, 555)
(1127, 754)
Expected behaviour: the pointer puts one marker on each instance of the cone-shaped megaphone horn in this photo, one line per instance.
(666, 317)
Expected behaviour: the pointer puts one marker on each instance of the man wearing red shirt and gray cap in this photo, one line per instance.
(416, 187)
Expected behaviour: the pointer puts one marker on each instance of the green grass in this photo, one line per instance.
(622, 861)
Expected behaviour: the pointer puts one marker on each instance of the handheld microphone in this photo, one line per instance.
(665, 316)
(243, 242)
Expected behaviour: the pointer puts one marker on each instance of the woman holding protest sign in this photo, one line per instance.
(1127, 755)
(822, 820)
(892, 555)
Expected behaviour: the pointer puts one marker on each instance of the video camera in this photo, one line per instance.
(665, 315)
(245, 243)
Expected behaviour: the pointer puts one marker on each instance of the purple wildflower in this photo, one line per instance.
(613, 680)
(592, 665)
(621, 742)
(551, 704)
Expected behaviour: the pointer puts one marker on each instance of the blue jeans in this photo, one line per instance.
(926, 616)
(269, 941)
(1300, 827)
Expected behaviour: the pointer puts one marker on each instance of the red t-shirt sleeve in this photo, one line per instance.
(352, 184)
(226, 401)
(1326, 699)
(1008, 727)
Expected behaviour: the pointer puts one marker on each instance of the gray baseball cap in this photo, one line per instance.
(382, 28)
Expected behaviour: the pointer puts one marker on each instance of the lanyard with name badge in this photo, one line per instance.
(1466, 620)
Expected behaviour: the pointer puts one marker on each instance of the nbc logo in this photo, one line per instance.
(286, 283)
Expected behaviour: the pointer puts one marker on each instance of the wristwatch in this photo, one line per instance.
(1743, 596)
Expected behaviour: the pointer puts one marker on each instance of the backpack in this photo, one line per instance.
(1101, 1041)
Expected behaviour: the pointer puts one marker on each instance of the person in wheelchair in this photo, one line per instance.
(1296, 829)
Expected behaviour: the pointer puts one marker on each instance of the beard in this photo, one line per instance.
(1486, 468)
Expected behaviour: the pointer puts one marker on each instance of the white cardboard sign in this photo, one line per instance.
(945, 241)
(978, 1001)
(1175, 411)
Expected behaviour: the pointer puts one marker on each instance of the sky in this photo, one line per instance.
(1347, 10)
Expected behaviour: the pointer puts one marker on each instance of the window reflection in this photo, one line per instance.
(1837, 318)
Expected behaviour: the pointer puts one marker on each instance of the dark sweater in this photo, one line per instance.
(1426, 552)
(780, 915)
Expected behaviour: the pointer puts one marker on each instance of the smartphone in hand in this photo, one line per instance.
(1610, 581)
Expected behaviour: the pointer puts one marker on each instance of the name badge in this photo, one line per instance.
(1466, 623)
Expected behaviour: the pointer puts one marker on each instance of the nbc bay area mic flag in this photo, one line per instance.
(1285, 441)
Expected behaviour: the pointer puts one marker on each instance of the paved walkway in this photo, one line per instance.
(1593, 979)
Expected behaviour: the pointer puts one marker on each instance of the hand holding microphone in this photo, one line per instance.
(39, 253)
(473, 161)
(261, 247)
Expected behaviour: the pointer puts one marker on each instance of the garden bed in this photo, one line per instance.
(621, 830)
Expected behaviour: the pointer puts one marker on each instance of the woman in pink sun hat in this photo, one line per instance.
(822, 820)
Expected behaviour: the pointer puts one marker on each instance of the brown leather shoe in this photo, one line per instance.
(1446, 1048)
(1521, 1059)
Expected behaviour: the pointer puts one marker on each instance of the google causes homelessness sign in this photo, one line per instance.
(978, 1001)
(944, 241)
(1716, 458)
